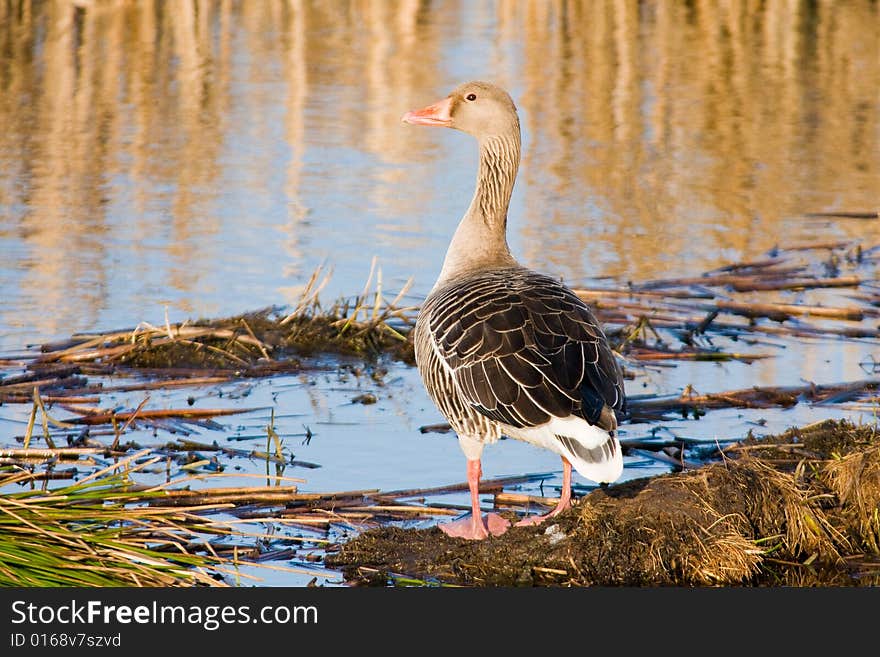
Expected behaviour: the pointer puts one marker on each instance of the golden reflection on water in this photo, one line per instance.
(698, 125)
(151, 151)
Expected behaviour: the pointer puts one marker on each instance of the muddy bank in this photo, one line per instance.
(801, 508)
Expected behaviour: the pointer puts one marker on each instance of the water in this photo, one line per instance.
(206, 157)
(201, 159)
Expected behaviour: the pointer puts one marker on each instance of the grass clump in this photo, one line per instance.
(99, 532)
(256, 343)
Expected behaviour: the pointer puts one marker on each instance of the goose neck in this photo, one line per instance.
(480, 242)
(499, 162)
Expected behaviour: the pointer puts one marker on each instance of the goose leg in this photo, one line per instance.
(476, 526)
(564, 498)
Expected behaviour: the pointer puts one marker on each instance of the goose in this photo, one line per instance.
(505, 350)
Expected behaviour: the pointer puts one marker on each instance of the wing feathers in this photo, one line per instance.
(523, 348)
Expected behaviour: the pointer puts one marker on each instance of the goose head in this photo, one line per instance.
(481, 109)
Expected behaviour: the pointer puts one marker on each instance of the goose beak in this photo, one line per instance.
(439, 114)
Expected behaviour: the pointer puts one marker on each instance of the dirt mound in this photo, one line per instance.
(799, 508)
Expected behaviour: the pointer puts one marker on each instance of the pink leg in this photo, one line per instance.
(476, 526)
(564, 499)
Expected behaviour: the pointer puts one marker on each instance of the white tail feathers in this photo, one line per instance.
(606, 468)
(594, 452)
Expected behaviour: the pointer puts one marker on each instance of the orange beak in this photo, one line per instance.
(439, 114)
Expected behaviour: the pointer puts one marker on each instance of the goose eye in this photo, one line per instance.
(471, 97)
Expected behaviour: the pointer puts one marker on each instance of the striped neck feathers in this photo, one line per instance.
(499, 161)
(481, 238)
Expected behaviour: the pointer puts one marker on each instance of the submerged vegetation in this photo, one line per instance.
(799, 508)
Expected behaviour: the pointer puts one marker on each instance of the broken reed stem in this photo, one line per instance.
(135, 413)
(378, 301)
(31, 453)
(756, 397)
(44, 418)
(797, 284)
(182, 334)
(519, 499)
(486, 486)
(641, 354)
(119, 464)
(217, 475)
(171, 383)
(223, 352)
(717, 280)
(211, 497)
(844, 215)
(30, 425)
(586, 293)
(403, 509)
(784, 310)
(754, 264)
(259, 343)
(801, 330)
(116, 433)
(274, 436)
(107, 417)
(309, 296)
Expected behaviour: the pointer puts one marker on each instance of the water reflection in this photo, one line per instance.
(705, 127)
(209, 154)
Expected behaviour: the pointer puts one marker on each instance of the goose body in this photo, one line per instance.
(502, 349)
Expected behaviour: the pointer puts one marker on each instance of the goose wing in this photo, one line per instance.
(522, 348)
